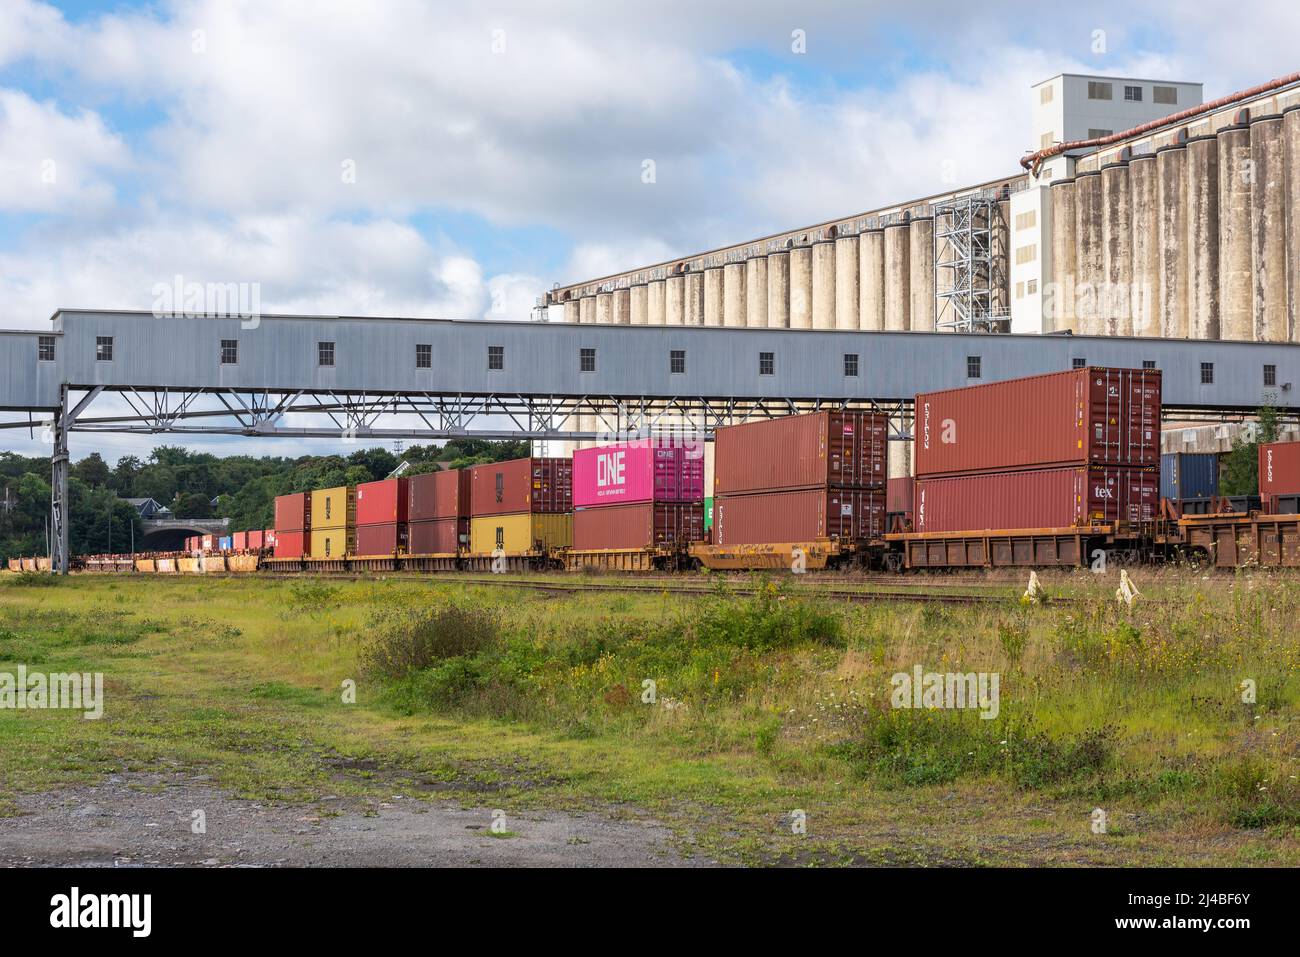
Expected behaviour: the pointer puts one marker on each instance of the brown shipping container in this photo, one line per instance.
(523, 485)
(439, 536)
(1041, 498)
(386, 539)
(898, 498)
(439, 495)
(382, 502)
(1279, 468)
(1088, 416)
(801, 515)
(637, 526)
(841, 449)
(293, 512)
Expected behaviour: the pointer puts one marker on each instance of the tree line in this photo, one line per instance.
(243, 487)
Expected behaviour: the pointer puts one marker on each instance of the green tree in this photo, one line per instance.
(1241, 465)
(92, 470)
(192, 505)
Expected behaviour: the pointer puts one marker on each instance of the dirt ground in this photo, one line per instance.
(144, 820)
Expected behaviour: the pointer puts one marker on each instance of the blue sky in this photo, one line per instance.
(497, 147)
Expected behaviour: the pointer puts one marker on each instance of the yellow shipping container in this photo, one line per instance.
(334, 507)
(333, 542)
(520, 532)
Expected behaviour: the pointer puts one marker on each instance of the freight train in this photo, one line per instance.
(1062, 469)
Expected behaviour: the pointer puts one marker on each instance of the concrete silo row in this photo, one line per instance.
(1192, 240)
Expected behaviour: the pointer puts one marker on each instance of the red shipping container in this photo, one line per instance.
(383, 502)
(207, 543)
(256, 540)
(1040, 498)
(1279, 468)
(379, 540)
(638, 526)
(442, 494)
(239, 541)
(439, 536)
(800, 515)
(648, 470)
(841, 449)
(292, 544)
(898, 496)
(268, 538)
(523, 485)
(1087, 416)
(293, 512)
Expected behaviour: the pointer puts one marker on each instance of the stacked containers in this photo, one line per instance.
(1279, 477)
(438, 510)
(800, 478)
(521, 506)
(292, 538)
(1069, 448)
(382, 509)
(638, 495)
(1189, 476)
(333, 522)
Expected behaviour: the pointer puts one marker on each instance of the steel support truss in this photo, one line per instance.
(966, 274)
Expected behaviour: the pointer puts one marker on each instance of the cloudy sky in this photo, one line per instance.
(456, 159)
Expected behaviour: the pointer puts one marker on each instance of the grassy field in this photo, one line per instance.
(770, 707)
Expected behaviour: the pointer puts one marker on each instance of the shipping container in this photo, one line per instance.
(1087, 416)
(522, 485)
(708, 513)
(293, 512)
(1279, 468)
(439, 536)
(442, 494)
(520, 532)
(333, 543)
(386, 539)
(256, 540)
(1284, 504)
(209, 542)
(650, 470)
(799, 515)
(898, 498)
(291, 544)
(239, 541)
(1040, 498)
(1185, 476)
(382, 503)
(838, 449)
(224, 543)
(334, 507)
(638, 526)
(268, 538)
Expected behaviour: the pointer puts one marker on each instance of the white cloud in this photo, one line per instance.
(54, 162)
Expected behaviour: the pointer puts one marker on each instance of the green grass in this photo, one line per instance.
(719, 714)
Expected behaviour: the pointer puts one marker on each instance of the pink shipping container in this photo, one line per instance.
(1279, 468)
(256, 540)
(293, 512)
(522, 485)
(1041, 498)
(439, 536)
(239, 541)
(800, 515)
(635, 472)
(379, 540)
(1087, 416)
(381, 503)
(840, 449)
(292, 544)
(637, 526)
(439, 495)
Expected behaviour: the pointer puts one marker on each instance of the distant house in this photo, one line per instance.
(148, 507)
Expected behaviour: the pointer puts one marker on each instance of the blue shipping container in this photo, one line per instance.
(1189, 475)
(225, 542)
